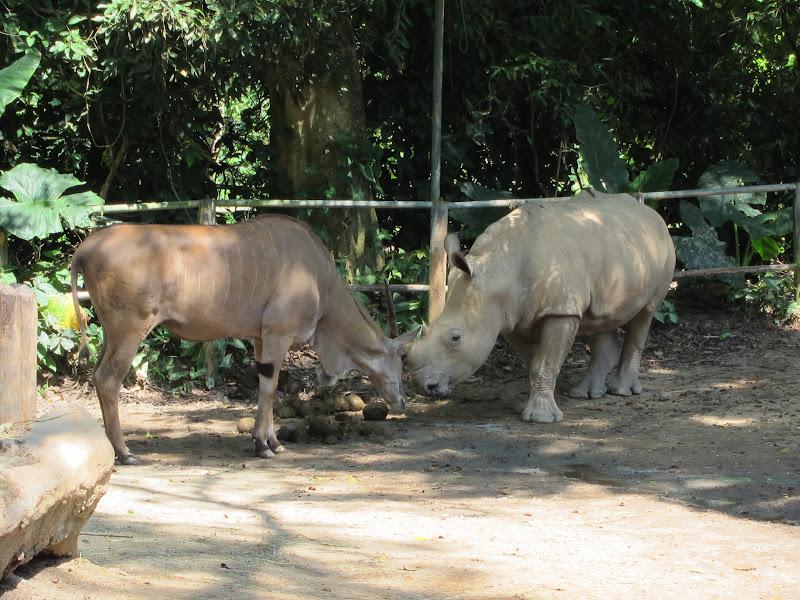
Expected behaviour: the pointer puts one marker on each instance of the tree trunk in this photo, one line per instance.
(307, 130)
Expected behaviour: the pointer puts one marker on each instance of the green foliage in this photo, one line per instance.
(703, 250)
(15, 77)
(771, 294)
(58, 340)
(401, 266)
(606, 170)
(362, 163)
(599, 152)
(740, 215)
(164, 357)
(41, 204)
(666, 313)
(406, 266)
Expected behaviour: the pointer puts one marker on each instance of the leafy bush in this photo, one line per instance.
(738, 217)
(605, 169)
(164, 357)
(771, 294)
(401, 265)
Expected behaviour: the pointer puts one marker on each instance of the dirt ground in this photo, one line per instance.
(689, 490)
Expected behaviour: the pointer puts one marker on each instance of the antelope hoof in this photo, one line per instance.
(264, 451)
(129, 461)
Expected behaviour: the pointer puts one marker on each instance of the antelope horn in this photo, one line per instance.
(392, 316)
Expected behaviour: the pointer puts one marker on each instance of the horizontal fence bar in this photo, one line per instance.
(746, 189)
(395, 287)
(388, 204)
(402, 204)
(382, 204)
(145, 206)
(733, 271)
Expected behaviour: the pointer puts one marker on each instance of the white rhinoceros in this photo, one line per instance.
(541, 275)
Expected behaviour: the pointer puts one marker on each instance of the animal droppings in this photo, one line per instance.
(329, 430)
(375, 411)
(245, 425)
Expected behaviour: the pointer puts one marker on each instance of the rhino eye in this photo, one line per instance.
(454, 338)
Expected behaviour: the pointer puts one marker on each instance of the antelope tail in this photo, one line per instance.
(83, 353)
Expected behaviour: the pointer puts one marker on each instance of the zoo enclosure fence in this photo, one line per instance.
(209, 207)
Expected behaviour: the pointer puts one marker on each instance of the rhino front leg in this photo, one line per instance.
(626, 381)
(604, 349)
(556, 335)
(269, 358)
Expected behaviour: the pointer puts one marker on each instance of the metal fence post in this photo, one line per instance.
(437, 261)
(207, 215)
(207, 211)
(796, 241)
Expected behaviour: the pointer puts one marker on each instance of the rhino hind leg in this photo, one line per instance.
(555, 338)
(605, 354)
(626, 380)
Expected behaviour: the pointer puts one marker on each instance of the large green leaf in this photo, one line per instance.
(14, 78)
(607, 172)
(703, 250)
(40, 205)
(719, 209)
(657, 178)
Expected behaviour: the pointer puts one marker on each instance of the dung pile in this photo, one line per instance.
(330, 419)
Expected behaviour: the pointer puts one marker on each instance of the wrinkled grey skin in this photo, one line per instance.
(268, 279)
(542, 275)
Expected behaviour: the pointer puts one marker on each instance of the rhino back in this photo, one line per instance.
(601, 258)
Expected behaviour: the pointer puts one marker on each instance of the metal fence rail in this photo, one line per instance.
(439, 211)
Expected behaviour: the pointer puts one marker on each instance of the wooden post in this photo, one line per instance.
(18, 332)
(207, 211)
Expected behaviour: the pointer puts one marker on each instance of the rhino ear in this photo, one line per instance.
(459, 261)
(451, 244)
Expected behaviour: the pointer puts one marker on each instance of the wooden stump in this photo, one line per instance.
(18, 321)
(51, 479)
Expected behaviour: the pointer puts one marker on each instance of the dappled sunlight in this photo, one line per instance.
(717, 421)
(73, 455)
(590, 216)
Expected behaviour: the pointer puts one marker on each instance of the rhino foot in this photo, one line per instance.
(584, 391)
(619, 388)
(542, 411)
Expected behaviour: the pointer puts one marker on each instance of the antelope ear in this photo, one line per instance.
(406, 338)
(404, 342)
(459, 261)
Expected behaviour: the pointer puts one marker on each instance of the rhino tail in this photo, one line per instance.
(83, 353)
